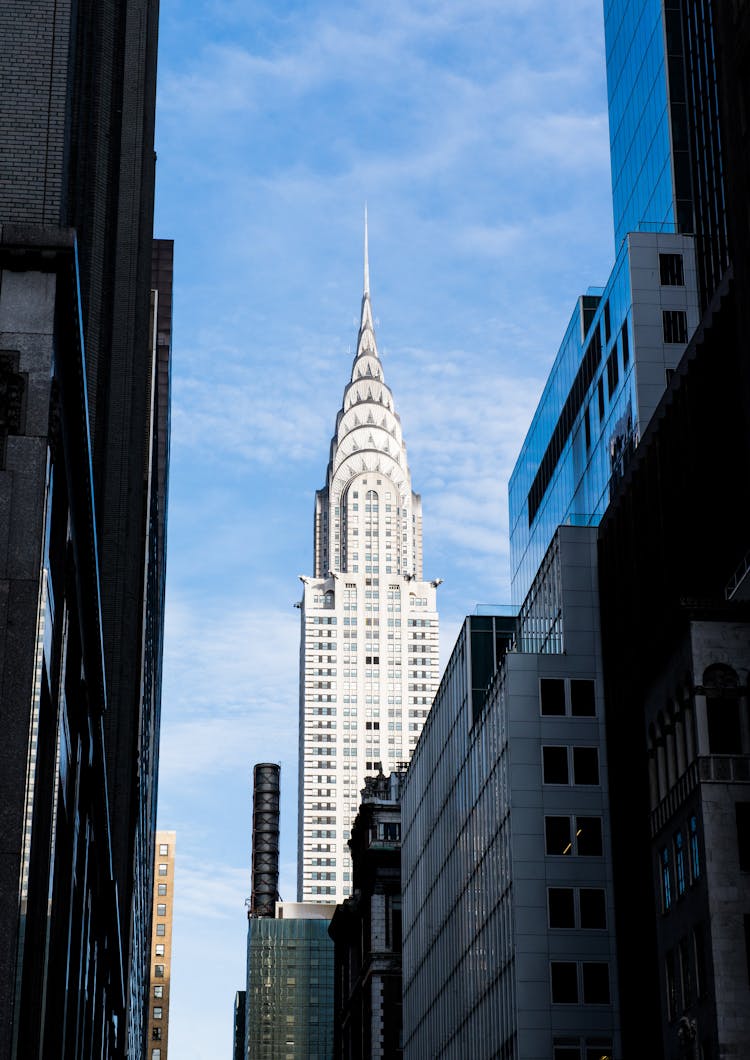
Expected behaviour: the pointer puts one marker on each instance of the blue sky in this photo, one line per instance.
(477, 134)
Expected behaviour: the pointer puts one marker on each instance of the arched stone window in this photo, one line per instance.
(723, 710)
(328, 599)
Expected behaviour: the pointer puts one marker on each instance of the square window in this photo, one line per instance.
(555, 765)
(161, 888)
(582, 699)
(589, 836)
(671, 272)
(552, 696)
(161, 929)
(564, 978)
(595, 975)
(163, 869)
(163, 849)
(161, 909)
(158, 991)
(585, 765)
(156, 1034)
(561, 907)
(557, 835)
(159, 971)
(593, 907)
(160, 949)
(157, 1012)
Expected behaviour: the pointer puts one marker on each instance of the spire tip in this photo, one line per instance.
(367, 258)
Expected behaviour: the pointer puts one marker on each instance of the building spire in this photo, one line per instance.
(367, 260)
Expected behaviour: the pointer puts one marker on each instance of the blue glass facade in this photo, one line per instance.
(643, 194)
(608, 376)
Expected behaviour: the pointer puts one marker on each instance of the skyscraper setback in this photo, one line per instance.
(369, 645)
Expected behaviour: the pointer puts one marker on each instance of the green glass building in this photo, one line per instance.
(290, 984)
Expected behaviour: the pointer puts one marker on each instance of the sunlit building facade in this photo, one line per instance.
(161, 947)
(369, 661)
(509, 946)
(612, 367)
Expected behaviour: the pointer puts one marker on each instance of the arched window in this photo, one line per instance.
(723, 710)
(328, 599)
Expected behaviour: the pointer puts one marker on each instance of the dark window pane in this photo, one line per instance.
(666, 881)
(625, 345)
(552, 690)
(595, 983)
(557, 835)
(613, 372)
(671, 272)
(724, 735)
(589, 836)
(585, 765)
(592, 903)
(561, 907)
(686, 972)
(607, 325)
(742, 813)
(598, 1049)
(675, 325)
(555, 763)
(695, 855)
(671, 984)
(700, 961)
(582, 699)
(567, 1052)
(600, 395)
(564, 982)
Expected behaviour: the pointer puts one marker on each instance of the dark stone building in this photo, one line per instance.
(85, 335)
(366, 931)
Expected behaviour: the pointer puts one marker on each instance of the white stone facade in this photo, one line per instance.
(369, 656)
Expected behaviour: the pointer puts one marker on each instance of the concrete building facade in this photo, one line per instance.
(161, 947)
(369, 661)
(509, 943)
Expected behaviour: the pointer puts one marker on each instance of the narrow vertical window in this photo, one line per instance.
(679, 863)
(666, 881)
(695, 856)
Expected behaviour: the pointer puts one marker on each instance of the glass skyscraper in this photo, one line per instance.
(608, 376)
(289, 1001)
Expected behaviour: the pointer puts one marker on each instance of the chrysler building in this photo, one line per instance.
(369, 663)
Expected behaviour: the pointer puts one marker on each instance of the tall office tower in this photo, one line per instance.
(161, 947)
(369, 644)
(84, 358)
